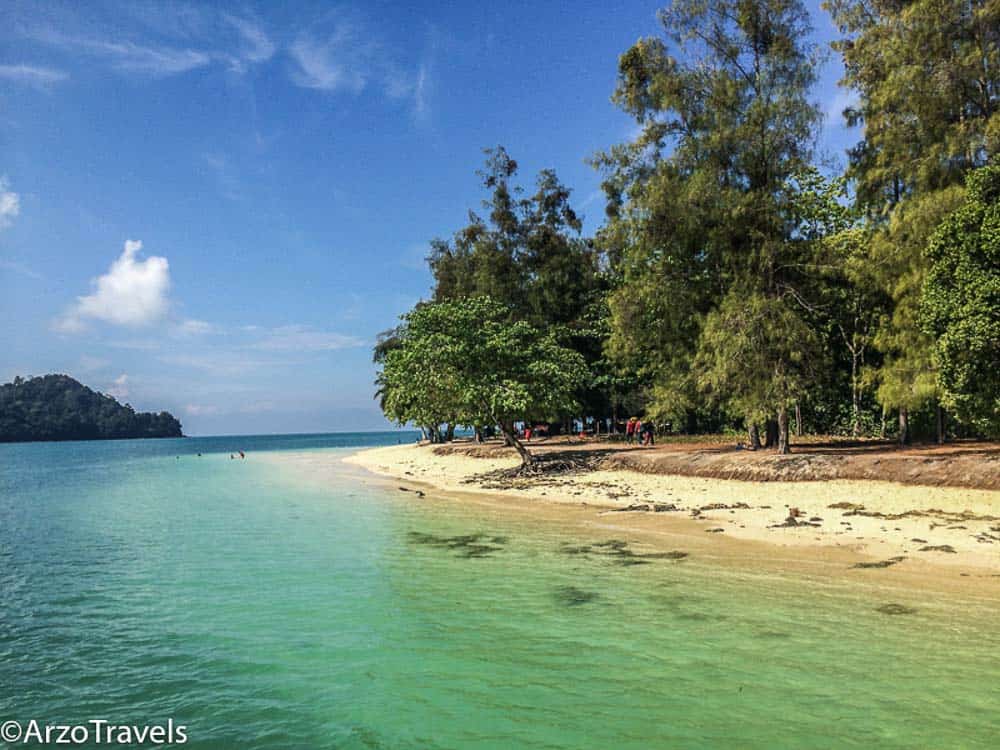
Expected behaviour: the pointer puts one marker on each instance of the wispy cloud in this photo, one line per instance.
(90, 364)
(128, 56)
(345, 54)
(191, 327)
(10, 204)
(255, 47)
(21, 268)
(151, 41)
(222, 173)
(218, 363)
(199, 410)
(132, 293)
(337, 61)
(305, 339)
(32, 75)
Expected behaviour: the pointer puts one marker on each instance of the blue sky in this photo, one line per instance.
(214, 209)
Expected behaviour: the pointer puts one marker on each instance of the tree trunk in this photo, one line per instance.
(855, 399)
(940, 425)
(450, 433)
(881, 429)
(508, 435)
(754, 434)
(904, 425)
(783, 446)
(770, 433)
(798, 420)
(479, 434)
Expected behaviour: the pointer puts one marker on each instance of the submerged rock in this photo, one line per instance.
(939, 548)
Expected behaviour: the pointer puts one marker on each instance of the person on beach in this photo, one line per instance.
(647, 434)
(630, 430)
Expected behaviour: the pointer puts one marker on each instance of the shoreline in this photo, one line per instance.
(893, 532)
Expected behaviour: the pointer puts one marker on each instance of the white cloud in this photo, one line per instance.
(132, 293)
(305, 339)
(119, 389)
(32, 75)
(10, 204)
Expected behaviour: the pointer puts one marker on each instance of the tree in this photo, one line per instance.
(907, 378)
(697, 203)
(528, 253)
(961, 303)
(928, 77)
(765, 336)
(466, 358)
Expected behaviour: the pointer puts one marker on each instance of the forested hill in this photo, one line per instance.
(57, 407)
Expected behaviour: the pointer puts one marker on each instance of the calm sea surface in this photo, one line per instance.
(140, 582)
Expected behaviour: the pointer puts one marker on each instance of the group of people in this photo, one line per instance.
(637, 431)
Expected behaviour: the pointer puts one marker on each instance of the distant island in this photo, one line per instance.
(57, 407)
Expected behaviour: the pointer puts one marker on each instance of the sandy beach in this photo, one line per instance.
(865, 525)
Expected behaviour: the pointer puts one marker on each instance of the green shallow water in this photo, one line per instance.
(264, 611)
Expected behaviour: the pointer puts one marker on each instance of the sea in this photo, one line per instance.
(171, 583)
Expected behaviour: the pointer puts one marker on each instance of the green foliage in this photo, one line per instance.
(57, 407)
(961, 303)
(465, 361)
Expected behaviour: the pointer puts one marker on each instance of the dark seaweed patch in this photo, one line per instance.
(619, 552)
(896, 609)
(879, 563)
(571, 596)
(468, 546)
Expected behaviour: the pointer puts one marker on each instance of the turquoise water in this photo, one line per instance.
(140, 582)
